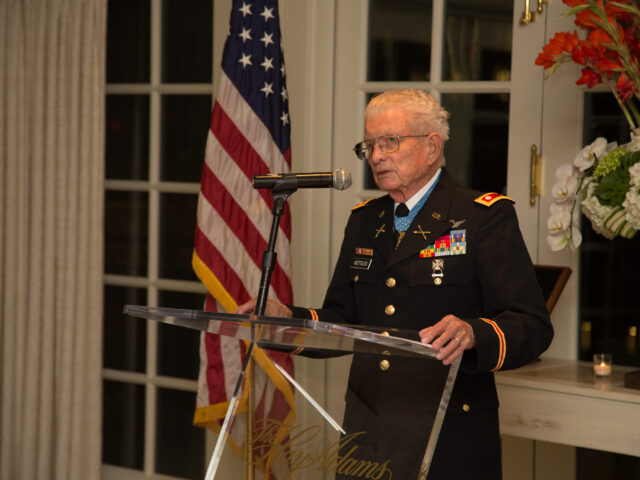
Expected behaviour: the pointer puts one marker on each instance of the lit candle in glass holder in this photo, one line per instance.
(602, 364)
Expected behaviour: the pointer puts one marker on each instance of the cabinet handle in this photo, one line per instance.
(528, 16)
(540, 4)
(535, 175)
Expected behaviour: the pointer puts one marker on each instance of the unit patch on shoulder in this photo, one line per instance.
(489, 199)
(361, 204)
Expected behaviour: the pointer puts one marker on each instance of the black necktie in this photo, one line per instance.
(401, 211)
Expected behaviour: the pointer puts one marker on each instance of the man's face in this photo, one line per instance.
(403, 172)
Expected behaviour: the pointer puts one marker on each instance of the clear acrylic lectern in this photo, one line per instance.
(391, 404)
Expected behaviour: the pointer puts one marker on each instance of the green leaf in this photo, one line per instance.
(624, 159)
(634, 158)
(628, 8)
(613, 187)
(576, 9)
(585, 190)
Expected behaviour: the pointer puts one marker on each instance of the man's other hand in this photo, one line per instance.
(450, 337)
(272, 309)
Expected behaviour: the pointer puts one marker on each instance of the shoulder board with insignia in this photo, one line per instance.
(489, 199)
(361, 204)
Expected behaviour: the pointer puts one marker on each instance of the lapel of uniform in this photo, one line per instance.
(430, 223)
(378, 223)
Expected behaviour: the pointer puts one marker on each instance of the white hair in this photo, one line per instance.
(427, 111)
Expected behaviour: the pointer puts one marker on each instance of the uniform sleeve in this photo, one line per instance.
(515, 328)
(338, 305)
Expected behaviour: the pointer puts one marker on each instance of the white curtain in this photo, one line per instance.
(52, 64)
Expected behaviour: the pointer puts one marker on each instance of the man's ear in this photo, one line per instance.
(434, 146)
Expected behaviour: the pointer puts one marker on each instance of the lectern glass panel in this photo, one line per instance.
(384, 425)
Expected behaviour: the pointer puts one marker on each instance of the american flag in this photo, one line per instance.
(249, 135)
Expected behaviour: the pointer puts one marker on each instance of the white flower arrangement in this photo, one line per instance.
(604, 180)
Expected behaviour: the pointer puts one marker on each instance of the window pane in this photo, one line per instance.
(123, 424)
(185, 125)
(477, 40)
(399, 40)
(187, 41)
(177, 226)
(126, 219)
(476, 153)
(180, 446)
(127, 142)
(609, 310)
(124, 336)
(179, 348)
(128, 40)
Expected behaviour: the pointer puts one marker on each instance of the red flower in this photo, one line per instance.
(596, 37)
(586, 18)
(589, 77)
(604, 65)
(625, 88)
(617, 12)
(562, 42)
(578, 55)
(595, 55)
(631, 40)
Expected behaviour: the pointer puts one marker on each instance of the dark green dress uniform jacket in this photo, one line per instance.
(492, 286)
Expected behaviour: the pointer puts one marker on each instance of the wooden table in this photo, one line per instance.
(561, 401)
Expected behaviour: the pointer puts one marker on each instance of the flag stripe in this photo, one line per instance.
(239, 223)
(210, 274)
(250, 126)
(239, 260)
(226, 171)
(231, 141)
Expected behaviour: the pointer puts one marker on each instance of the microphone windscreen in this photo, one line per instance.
(341, 179)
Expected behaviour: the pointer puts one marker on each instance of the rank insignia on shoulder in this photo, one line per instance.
(361, 204)
(489, 199)
(455, 243)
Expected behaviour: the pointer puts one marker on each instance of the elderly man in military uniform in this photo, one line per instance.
(446, 262)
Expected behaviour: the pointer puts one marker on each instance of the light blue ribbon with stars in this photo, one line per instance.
(402, 223)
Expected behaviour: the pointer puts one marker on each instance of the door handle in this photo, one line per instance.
(528, 16)
(535, 175)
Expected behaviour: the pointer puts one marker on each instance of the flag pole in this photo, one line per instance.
(250, 420)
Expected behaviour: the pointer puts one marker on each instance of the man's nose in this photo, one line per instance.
(377, 154)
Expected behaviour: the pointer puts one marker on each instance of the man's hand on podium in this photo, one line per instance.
(450, 337)
(272, 309)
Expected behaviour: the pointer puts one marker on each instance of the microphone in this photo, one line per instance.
(338, 179)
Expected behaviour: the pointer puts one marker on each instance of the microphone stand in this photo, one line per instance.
(280, 192)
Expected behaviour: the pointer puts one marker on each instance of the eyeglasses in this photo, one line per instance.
(386, 143)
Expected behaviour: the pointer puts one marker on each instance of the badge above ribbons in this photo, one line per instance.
(455, 243)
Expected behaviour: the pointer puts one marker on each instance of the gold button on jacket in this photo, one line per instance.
(384, 365)
(391, 282)
(390, 310)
